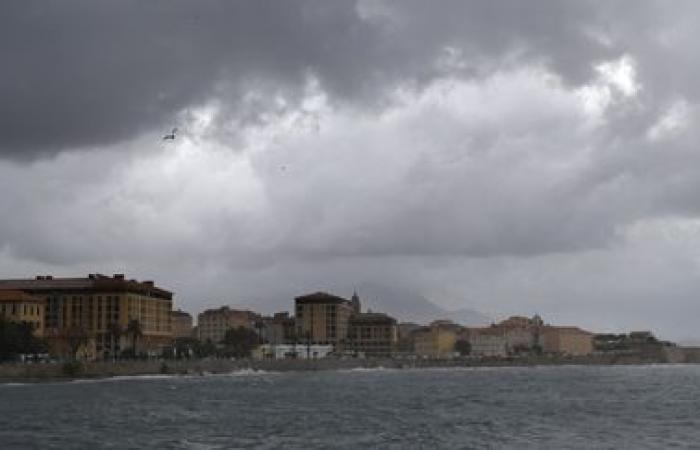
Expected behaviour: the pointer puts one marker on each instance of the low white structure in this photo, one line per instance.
(299, 351)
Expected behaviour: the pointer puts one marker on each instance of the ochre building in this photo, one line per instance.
(322, 318)
(20, 307)
(96, 311)
(571, 341)
(436, 341)
(213, 324)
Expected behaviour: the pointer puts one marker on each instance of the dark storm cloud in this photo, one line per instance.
(87, 73)
(83, 73)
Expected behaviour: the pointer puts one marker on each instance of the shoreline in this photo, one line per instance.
(56, 372)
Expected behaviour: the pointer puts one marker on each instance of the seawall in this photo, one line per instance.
(53, 372)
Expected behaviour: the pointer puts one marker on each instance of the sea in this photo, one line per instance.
(561, 407)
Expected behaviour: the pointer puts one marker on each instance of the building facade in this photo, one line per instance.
(277, 329)
(213, 324)
(322, 319)
(372, 334)
(521, 333)
(292, 351)
(181, 322)
(436, 341)
(488, 342)
(97, 310)
(571, 341)
(20, 307)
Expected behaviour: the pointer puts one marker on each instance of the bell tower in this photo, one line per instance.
(355, 302)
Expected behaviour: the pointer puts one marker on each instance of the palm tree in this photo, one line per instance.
(115, 331)
(134, 330)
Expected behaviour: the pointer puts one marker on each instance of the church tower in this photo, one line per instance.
(355, 302)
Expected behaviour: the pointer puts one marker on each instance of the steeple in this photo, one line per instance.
(355, 301)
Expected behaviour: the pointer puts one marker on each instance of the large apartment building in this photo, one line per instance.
(372, 334)
(99, 308)
(322, 318)
(214, 323)
(571, 341)
(181, 322)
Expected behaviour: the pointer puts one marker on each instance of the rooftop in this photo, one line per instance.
(15, 296)
(321, 298)
(94, 282)
(372, 318)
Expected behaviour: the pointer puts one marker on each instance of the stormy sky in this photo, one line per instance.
(510, 157)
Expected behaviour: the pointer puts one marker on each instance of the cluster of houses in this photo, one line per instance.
(111, 314)
(326, 324)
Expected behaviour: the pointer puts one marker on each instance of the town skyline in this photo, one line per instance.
(104, 318)
(421, 309)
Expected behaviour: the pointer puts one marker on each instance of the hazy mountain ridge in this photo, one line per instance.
(408, 306)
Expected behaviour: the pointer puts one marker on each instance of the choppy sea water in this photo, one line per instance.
(545, 407)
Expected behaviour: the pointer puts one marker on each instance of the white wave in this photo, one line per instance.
(368, 369)
(14, 384)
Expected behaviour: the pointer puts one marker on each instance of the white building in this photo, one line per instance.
(300, 351)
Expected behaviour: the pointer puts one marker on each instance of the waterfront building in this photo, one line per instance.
(292, 351)
(277, 329)
(97, 310)
(20, 307)
(571, 341)
(214, 323)
(181, 322)
(488, 342)
(521, 333)
(372, 334)
(322, 319)
(437, 340)
(406, 337)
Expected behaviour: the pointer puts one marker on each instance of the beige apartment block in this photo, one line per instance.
(571, 341)
(99, 308)
(213, 324)
(437, 340)
(181, 322)
(322, 318)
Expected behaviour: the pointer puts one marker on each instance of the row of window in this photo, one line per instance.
(17, 308)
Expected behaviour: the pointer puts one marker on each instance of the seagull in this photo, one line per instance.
(171, 136)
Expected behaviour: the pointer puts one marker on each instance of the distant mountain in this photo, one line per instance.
(408, 306)
(469, 317)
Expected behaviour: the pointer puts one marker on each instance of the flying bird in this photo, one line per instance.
(171, 136)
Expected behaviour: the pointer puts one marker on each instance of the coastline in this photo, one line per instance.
(56, 372)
